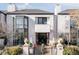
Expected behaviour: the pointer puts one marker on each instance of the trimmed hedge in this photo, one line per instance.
(13, 50)
(71, 50)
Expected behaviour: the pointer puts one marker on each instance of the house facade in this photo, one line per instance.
(38, 26)
(35, 26)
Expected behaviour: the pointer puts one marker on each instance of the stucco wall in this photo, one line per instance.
(63, 22)
(10, 29)
(2, 21)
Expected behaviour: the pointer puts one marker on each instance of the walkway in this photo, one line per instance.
(46, 50)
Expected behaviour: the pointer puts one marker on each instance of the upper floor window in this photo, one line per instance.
(21, 22)
(41, 20)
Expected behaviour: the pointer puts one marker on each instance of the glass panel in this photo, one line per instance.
(44, 19)
(41, 20)
(19, 26)
(21, 30)
(19, 22)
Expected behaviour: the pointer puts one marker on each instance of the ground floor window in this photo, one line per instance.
(20, 35)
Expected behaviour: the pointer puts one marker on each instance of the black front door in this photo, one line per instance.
(42, 38)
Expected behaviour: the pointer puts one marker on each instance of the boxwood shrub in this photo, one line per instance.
(14, 50)
(71, 50)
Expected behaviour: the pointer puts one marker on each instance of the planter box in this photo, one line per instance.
(31, 50)
(25, 50)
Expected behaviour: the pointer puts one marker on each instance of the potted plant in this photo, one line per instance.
(30, 44)
(30, 47)
(26, 47)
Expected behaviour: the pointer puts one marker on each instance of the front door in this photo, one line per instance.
(41, 38)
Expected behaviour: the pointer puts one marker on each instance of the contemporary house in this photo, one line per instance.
(38, 26)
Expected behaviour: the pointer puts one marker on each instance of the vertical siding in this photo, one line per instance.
(31, 29)
(62, 19)
(10, 29)
(3, 23)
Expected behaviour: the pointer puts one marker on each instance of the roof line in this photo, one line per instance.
(2, 12)
(40, 13)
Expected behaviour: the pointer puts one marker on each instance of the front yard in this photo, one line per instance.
(13, 50)
(71, 50)
(17, 50)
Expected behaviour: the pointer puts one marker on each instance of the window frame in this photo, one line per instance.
(43, 20)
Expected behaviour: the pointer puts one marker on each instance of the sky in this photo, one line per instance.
(44, 6)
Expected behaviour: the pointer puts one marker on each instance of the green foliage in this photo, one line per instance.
(14, 50)
(30, 44)
(71, 50)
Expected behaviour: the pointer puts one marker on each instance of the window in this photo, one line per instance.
(19, 22)
(21, 30)
(41, 20)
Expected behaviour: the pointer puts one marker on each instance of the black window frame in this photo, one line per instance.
(43, 20)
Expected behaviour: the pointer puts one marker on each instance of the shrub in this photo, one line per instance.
(71, 50)
(14, 50)
(30, 44)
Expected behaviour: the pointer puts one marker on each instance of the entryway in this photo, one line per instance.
(42, 38)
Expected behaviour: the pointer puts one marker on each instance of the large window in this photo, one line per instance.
(21, 29)
(21, 22)
(41, 20)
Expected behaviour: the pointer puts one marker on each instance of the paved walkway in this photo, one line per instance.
(37, 50)
(42, 51)
(1, 52)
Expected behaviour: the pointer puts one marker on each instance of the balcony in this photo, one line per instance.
(42, 28)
